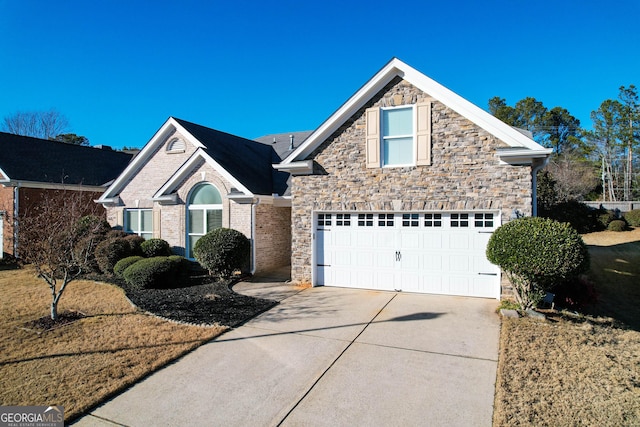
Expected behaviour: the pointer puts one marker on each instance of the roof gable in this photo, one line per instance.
(396, 68)
(39, 160)
(245, 163)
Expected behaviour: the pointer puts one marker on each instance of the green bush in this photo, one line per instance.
(536, 253)
(617, 225)
(135, 242)
(606, 218)
(223, 251)
(155, 247)
(156, 272)
(633, 217)
(110, 251)
(124, 263)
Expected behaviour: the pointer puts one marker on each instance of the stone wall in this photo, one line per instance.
(464, 174)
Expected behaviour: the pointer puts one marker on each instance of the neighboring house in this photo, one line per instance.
(401, 188)
(32, 168)
(189, 179)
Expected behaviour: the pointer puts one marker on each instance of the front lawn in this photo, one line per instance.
(108, 344)
(573, 369)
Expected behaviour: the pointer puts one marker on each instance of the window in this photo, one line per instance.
(410, 220)
(204, 213)
(324, 220)
(483, 220)
(139, 221)
(397, 136)
(365, 220)
(343, 220)
(459, 220)
(385, 220)
(433, 220)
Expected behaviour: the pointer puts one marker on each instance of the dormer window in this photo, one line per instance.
(176, 145)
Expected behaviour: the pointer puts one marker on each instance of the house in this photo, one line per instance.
(32, 168)
(401, 188)
(190, 179)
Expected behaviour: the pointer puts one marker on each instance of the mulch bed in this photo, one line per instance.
(202, 300)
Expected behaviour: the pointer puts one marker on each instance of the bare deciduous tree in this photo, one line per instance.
(50, 232)
(38, 124)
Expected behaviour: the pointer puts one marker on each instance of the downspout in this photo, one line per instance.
(534, 181)
(16, 202)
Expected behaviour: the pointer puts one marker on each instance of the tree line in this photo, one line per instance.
(50, 125)
(598, 164)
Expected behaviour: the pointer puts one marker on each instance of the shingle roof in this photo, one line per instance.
(281, 142)
(248, 161)
(39, 160)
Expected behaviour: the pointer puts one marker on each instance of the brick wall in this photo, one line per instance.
(465, 174)
(273, 237)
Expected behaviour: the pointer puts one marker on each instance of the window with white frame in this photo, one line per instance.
(204, 213)
(398, 136)
(139, 221)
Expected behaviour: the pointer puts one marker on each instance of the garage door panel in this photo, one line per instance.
(412, 252)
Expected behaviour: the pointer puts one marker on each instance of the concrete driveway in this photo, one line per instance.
(330, 356)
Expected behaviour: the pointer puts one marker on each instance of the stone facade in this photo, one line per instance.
(273, 234)
(465, 174)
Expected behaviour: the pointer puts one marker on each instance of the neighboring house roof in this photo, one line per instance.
(281, 142)
(27, 159)
(246, 164)
(521, 149)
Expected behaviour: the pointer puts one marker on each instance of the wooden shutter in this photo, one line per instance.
(372, 117)
(156, 223)
(423, 134)
(119, 218)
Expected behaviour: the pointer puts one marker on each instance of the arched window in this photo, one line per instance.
(204, 213)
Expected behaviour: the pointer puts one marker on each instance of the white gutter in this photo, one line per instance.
(253, 235)
(303, 167)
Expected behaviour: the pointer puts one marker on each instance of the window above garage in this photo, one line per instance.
(398, 136)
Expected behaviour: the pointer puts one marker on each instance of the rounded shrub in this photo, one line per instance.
(155, 247)
(135, 242)
(124, 263)
(633, 217)
(223, 251)
(156, 272)
(537, 253)
(110, 251)
(617, 225)
(606, 218)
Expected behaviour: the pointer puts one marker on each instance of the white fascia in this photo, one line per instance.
(52, 185)
(522, 156)
(303, 167)
(188, 168)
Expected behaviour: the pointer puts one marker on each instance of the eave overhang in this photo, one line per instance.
(303, 167)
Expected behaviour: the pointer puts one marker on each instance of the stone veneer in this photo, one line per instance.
(273, 233)
(465, 174)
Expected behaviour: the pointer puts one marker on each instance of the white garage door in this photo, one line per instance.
(439, 253)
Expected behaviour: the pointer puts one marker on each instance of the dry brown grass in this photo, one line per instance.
(575, 370)
(79, 364)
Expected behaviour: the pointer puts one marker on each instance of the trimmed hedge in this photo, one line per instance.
(135, 242)
(537, 253)
(223, 251)
(110, 251)
(617, 225)
(124, 263)
(155, 247)
(633, 217)
(583, 218)
(156, 272)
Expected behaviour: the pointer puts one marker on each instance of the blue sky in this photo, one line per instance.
(118, 69)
